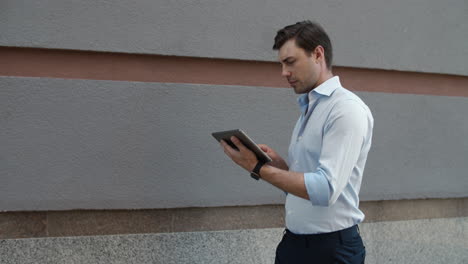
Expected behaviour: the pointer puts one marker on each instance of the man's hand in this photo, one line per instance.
(244, 157)
(277, 174)
(278, 161)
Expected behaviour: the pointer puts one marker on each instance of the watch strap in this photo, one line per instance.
(256, 171)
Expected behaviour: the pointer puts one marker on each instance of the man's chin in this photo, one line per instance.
(299, 90)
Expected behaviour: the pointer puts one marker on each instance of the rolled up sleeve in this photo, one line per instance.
(317, 188)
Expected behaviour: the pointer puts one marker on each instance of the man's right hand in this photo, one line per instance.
(278, 161)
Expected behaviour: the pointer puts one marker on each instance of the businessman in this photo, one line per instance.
(326, 158)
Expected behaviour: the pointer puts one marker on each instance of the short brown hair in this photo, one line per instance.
(308, 35)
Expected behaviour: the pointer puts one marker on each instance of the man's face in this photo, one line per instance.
(301, 69)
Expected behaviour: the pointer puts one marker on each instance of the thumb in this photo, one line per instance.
(264, 147)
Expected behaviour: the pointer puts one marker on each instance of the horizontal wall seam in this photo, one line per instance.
(70, 64)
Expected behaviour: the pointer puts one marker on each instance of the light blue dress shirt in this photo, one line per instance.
(329, 144)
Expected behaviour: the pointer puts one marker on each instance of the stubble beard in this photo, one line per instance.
(300, 89)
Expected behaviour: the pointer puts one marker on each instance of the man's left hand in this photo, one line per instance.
(244, 157)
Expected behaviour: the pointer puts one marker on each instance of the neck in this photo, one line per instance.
(324, 76)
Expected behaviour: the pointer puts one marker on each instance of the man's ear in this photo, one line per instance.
(319, 53)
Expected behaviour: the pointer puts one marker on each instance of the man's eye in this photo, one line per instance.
(290, 62)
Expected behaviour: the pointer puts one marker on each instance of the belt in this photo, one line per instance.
(341, 235)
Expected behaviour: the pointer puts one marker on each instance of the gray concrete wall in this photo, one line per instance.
(70, 144)
(410, 35)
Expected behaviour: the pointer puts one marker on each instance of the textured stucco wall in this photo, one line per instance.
(69, 144)
(412, 35)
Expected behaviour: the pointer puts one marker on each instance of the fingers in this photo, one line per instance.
(242, 157)
(238, 144)
(231, 152)
(227, 149)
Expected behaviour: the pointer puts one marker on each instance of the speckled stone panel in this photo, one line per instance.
(415, 241)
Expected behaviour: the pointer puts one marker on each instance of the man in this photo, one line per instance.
(326, 157)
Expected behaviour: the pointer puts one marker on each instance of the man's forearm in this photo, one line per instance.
(283, 167)
(288, 181)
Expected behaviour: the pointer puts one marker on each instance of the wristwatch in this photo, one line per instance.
(256, 171)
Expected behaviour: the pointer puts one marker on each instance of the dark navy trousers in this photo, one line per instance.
(344, 246)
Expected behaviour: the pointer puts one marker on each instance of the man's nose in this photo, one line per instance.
(285, 73)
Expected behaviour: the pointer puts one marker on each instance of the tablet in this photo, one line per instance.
(248, 142)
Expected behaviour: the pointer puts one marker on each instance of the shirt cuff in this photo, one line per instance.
(317, 188)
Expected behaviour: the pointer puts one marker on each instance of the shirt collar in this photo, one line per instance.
(324, 89)
(328, 87)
